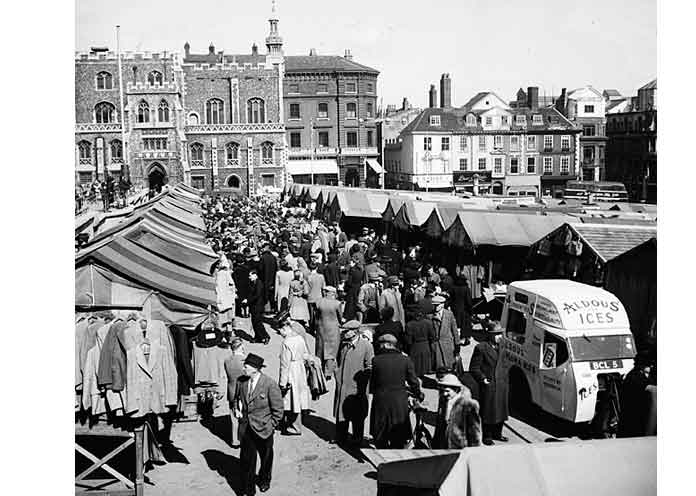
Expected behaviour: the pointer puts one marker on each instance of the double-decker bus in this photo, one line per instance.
(603, 191)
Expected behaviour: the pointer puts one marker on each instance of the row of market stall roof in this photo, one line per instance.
(464, 222)
(152, 257)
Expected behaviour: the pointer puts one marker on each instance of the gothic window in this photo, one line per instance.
(193, 119)
(256, 111)
(267, 153)
(85, 150)
(214, 111)
(104, 113)
(155, 78)
(143, 112)
(163, 111)
(116, 150)
(104, 81)
(232, 149)
(196, 154)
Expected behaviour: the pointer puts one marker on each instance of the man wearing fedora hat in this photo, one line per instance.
(259, 410)
(368, 297)
(493, 387)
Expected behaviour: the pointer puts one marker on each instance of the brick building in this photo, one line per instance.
(632, 144)
(330, 105)
(485, 146)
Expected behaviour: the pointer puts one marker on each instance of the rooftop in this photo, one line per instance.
(322, 63)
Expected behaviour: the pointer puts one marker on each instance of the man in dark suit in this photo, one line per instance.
(256, 302)
(493, 391)
(260, 409)
(268, 268)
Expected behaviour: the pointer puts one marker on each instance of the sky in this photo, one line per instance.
(484, 45)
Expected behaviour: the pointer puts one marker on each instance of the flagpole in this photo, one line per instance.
(124, 166)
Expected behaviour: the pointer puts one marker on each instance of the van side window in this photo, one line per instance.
(554, 352)
(516, 326)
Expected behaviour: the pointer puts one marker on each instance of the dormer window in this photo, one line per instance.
(520, 120)
(471, 120)
(537, 120)
(504, 120)
(434, 120)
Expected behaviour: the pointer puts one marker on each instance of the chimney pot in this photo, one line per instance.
(348, 55)
(533, 97)
(432, 100)
(211, 48)
(254, 49)
(312, 52)
(445, 91)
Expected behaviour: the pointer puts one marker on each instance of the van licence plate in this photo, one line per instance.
(606, 365)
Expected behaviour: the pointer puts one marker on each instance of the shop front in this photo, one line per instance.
(522, 185)
(473, 182)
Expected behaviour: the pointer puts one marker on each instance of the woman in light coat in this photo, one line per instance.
(282, 285)
(293, 378)
(226, 292)
(299, 310)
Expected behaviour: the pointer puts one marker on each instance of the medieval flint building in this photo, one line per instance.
(212, 120)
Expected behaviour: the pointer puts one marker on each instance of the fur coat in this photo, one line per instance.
(464, 422)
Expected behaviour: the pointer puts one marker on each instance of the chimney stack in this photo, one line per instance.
(533, 97)
(445, 91)
(405, 105)
(254, 50)
(187, 49)
(432, 102)
(562, 103)
(348, 55)
(312, 52)
(211, 49)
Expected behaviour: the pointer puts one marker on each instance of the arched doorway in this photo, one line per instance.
(156, 177)
(352, 178)
(497, 188)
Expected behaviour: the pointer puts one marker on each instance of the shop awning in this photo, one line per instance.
(374, 165)
(308, 167)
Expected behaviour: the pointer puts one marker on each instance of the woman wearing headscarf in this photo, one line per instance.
(297, 304)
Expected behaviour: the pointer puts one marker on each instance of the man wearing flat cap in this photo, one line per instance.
(446, 344)
(352, 376)
(493, 385)
(390, 424)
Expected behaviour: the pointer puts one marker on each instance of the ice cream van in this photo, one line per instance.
(565, 345)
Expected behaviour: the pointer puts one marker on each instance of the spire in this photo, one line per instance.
(274, 43)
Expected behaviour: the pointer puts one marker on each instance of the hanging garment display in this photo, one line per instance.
(146, 383)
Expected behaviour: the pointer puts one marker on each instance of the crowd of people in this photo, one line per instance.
(103, 193)
(383, 318)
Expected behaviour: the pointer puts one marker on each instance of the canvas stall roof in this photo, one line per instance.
(500, 229)
(192, 221)
(412, 214)
(352, 204)
(187, 191)
(616, 466)
(440, 219)
(151, 270)
(393, 205)
(608, 241)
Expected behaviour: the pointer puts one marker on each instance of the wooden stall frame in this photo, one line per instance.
(134, 488)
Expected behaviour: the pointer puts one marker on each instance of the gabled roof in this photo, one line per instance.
(585, 88)
(649, 86)
(478, 97)
(612, 93)
(322, 63)
(608, 241)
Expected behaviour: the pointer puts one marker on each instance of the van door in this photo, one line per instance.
(557, 395)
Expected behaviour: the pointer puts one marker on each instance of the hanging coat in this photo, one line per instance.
(328, 336)
(146, 381)
(293, 352)
(352, 376)
(446, 338)
(157, 333)
(184, 370)
(493, 397)
(80, 331)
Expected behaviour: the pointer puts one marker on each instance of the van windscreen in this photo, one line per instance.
(602, 347)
